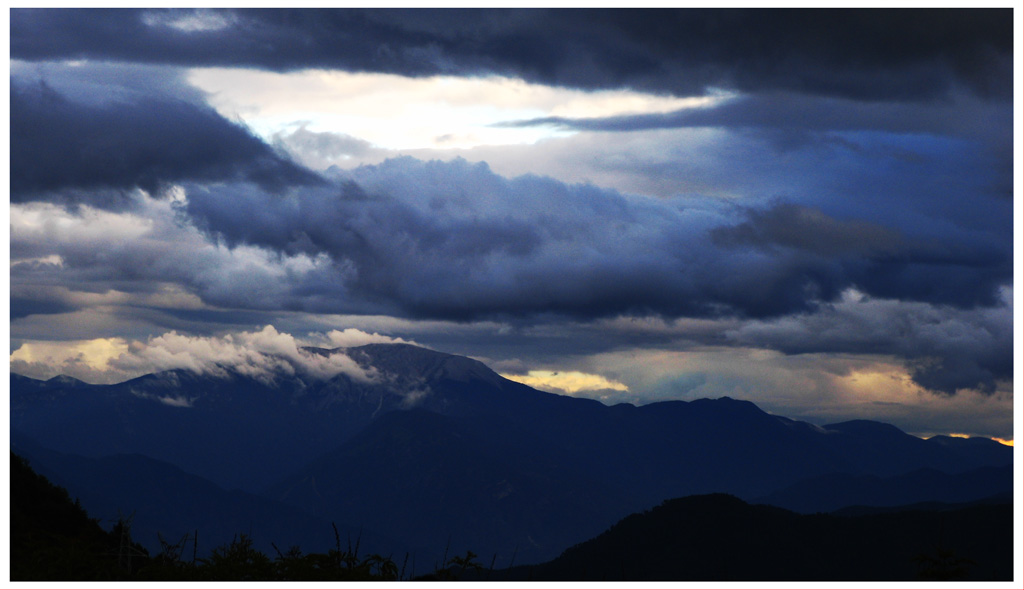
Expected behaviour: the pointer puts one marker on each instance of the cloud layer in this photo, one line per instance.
(947, 349)
(144, 141)
(266, 355)
(455, 241)
(860, 54)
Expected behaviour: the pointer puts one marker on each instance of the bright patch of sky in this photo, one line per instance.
(96, 352)
(567, 381)
(395, 112)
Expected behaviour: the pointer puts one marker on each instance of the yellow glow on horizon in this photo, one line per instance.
(96, 353)
(568, 381)
(878, 382)
(1004, 441)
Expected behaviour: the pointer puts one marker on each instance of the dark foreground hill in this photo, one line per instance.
(721, 538)
(52, 537)
(168, 504)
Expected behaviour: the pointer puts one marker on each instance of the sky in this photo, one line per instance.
(812, 210)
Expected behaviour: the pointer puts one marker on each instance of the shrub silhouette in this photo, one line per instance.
(942, 564)
(52, 537)
(238, 561)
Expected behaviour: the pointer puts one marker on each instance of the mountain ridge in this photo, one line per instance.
(263, 436)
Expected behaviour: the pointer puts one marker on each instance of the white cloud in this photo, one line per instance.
(189, 21)
(350, 337)
(262, 354)
(39, 221)
(177, 402)
(148, 255)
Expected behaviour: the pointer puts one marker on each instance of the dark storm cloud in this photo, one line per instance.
(131, 141)
(456, 241)
(453, 240)
(803, 228)
(946, 349)
(25, 306)
(836, 254)
(860, 54)
(801, 118)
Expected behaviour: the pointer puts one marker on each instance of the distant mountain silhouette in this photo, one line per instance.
(884, 450)
(827, 493)
(984, 450)
(446, 485)
(721, 538)
(431, 434)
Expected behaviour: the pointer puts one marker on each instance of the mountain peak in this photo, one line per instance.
(65, 381)
(408, 360)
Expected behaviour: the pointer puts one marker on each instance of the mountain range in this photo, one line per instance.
(431, 454)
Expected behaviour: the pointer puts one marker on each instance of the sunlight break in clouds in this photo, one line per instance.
(396, 112)
(260, 355)
(570, 382)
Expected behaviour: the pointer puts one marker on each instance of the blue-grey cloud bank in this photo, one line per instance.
(845, 188)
